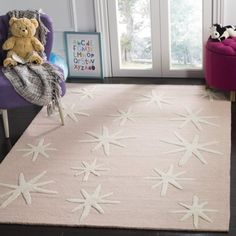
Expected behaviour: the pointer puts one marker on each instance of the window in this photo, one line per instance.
(158, 37)
(134, 34)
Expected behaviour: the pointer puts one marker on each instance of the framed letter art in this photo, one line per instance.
(84, 56)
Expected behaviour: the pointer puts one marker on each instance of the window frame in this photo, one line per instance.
(103, 25)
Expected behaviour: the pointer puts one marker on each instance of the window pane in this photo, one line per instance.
(185, 34)
(134, 32)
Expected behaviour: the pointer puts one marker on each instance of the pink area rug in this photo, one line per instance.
(129, 156)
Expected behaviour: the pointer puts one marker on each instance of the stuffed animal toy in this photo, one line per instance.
(22, 46)
(220, 33)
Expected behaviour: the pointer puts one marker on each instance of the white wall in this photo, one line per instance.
(67, 15)
(229, 12)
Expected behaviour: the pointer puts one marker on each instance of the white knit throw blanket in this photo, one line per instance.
(38, 84)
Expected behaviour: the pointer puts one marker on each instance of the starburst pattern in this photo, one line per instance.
(105, 140)
(190, 149)
(89, 201)
(194, 118)
(86, 93)
(88, 169)
(69, 111)
(24, 188)
(211, 95)
(124, 116)
(196, 210)
(154, 98)
(165, 179)
(36, 150)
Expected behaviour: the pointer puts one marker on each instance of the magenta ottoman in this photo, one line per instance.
(221, 65)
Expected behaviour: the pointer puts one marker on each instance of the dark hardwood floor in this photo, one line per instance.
(20, 119)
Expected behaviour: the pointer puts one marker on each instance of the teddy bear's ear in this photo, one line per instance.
(12, 20)
(34, 22)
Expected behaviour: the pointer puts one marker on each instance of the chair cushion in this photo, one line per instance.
(226, 47)
(9, 98)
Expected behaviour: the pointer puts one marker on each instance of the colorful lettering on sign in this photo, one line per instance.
(84, 55)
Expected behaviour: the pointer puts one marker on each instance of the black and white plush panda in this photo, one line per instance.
(220, 33)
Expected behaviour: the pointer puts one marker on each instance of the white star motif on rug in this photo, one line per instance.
(125, 116)
(154, 98)
(86, 93)
(191, 148)
(196, 210)
(89, 201)
(36, 150)
(70, 112)
(208, 94)
(24, 188)
(105, 140)
(88, 169)
(194, 118)
(165, 179)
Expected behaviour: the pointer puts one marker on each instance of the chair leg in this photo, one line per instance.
(61, 113)
(207, 86)
(232, 96)
(5, 122)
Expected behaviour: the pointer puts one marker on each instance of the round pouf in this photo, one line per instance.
(221, 65)
(59, 61)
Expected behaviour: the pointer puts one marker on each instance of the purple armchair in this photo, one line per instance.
(9, 98)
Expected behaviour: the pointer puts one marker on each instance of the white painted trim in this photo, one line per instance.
(207, 23)
(218, 11)
(156, 38)
(222, 10)
(165, 41)
(73, 14)
(101, 21)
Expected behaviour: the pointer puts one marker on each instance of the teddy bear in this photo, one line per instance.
(23, 46)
